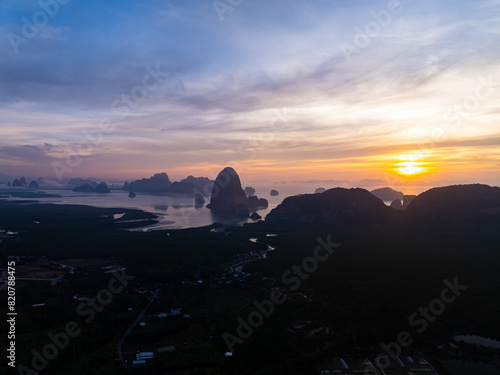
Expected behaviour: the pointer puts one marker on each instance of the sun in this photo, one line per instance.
(411, 165)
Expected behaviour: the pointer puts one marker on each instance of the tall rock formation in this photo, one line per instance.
(20, 183)
(228, 196)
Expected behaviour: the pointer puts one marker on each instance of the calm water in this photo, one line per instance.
(176, 212)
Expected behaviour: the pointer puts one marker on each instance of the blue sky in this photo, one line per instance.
(279, 89)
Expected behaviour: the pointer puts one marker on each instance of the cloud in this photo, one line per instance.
(228, 78)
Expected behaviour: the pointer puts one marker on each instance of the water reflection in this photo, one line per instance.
(161, 207)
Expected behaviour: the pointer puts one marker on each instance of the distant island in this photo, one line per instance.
(249, 191)
(101, 188)
(23, 183)
(160, 184)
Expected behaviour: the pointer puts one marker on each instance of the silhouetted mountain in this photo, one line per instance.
(255, 216)
(80, 182)
(160, 184)
(203, 184)
(229, 197)
(227, 194)
(33, 185)
(19, 183)
(256, 203)
(334, 205)
(147, 185)
(387, 194)
(132, 194)
(249, 191)
(396, 204)
(102, 188)
(76, 181)
(274, 193)
(459, 202)
(407, 199)
(319, 190)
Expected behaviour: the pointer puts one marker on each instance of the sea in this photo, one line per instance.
(179, 211)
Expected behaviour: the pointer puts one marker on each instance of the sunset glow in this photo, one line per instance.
(411, 166)
(283, 102)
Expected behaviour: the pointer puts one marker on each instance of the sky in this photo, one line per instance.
(399, 92)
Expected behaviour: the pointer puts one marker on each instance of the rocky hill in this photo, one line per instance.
(458, 202)
(387, 194)
(148, 185)
(332, 206)
(228, 195)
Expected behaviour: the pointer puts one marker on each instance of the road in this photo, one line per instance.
(132, 326)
